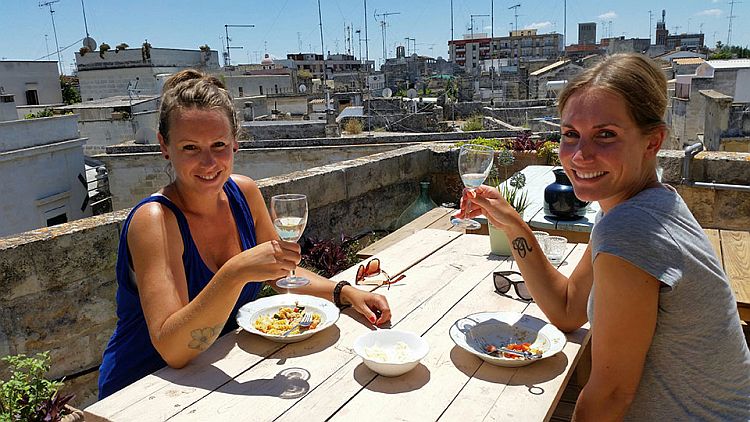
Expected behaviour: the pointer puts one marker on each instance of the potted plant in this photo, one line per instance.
(512, 191)
(29, 396)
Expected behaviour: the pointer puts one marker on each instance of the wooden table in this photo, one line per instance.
(448, 276)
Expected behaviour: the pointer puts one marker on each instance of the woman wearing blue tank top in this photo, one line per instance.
(193, 253)
(666, 337)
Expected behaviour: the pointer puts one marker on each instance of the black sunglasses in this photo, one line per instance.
(503, 283)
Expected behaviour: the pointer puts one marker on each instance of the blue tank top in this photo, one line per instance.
(130, 355)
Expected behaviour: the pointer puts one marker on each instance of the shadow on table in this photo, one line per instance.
(410, 381)
(289, 383)
(205, 375)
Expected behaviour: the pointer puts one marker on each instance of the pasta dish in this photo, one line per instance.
(283, 320)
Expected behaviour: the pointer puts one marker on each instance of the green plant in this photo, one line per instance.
(69, 92)
(121, 46)
(103, 48)
(474, 123)
(493, 143)
(47, 112)
(28, 395)
(353, 126)
(548, 151)
(511, 191)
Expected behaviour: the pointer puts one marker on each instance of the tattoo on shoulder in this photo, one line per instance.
(521, 246)
(204, 337)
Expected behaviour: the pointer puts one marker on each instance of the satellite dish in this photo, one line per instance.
(145, 135)
(387, 93)
(411, 93)
(89, 43)
(302, 88)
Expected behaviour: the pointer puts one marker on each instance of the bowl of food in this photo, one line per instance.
(391, 353)
(271, 317)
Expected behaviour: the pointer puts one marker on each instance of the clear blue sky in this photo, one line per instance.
(283, 26)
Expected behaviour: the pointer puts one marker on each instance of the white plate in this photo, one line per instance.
(249, 312)
(501, 328)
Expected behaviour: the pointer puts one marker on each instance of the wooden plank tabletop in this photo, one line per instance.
(735, 248)
(448, 276)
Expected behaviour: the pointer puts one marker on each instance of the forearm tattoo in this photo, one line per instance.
(204, 337)
(521, 246)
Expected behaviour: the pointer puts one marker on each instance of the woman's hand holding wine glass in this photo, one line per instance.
(474, 164)
(289, 215)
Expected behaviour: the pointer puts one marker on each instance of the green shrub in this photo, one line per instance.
(47, 112)
(28, 395)
(353, 126)
(474, 123)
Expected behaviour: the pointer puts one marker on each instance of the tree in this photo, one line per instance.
(69, 92)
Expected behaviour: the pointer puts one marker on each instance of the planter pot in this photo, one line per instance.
(499, 243)
(74, 415)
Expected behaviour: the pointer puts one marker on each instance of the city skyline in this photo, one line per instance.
(293, 26)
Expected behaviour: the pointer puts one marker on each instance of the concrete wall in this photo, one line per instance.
(108, 131)
(40, 162)
(251, 84)
(18, 76)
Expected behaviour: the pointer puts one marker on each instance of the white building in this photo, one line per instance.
(111, 73)
(114, 120)
(32, 82)
(41, 164)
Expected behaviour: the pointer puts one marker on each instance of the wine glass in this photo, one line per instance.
(474, 164)
(289, 215)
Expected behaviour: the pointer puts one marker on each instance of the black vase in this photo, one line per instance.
(560, 201)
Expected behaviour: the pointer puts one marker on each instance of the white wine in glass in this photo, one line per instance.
(474, 164)
(289, 215)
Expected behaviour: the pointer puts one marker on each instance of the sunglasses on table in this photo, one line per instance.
(503, 282)
(371, 269)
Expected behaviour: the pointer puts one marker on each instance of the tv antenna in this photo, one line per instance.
(383, 25)
(472, 23)
(49, 4)
(515, 13)
(731, 18)
(227, 60)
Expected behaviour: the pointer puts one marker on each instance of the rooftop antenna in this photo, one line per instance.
(731, 18)
(88, 42)
(299, 41)
(227, 59)
(515, 13)
(367, 38)
(49, 4)
(650, 17)
(414, 43)
(383, 25)
(472, 23)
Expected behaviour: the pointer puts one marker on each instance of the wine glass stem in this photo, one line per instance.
(468, 202)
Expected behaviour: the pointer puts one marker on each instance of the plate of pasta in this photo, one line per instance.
(271, 317)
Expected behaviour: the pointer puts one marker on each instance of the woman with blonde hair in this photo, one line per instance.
(666, 337)
(193, 253)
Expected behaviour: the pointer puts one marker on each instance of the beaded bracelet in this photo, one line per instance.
(337, 294)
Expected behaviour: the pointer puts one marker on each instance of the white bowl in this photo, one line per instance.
(396, 361)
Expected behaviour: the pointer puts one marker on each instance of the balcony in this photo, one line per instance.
(72, 265)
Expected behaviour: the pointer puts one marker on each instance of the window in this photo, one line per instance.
(276, 88)
(260, 88)
(241, 93)
(58, 219)
(31, 97)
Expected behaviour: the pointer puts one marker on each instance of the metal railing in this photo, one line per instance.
(690, 152)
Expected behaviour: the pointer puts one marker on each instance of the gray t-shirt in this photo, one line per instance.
(698, 364)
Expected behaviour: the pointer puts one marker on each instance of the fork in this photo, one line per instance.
(483, 344)
(305, 322)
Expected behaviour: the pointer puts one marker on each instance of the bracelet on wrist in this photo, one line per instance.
(337, 294)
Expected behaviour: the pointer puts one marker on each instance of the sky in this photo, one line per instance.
(285, 26)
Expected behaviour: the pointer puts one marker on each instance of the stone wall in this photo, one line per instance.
(281, 129)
